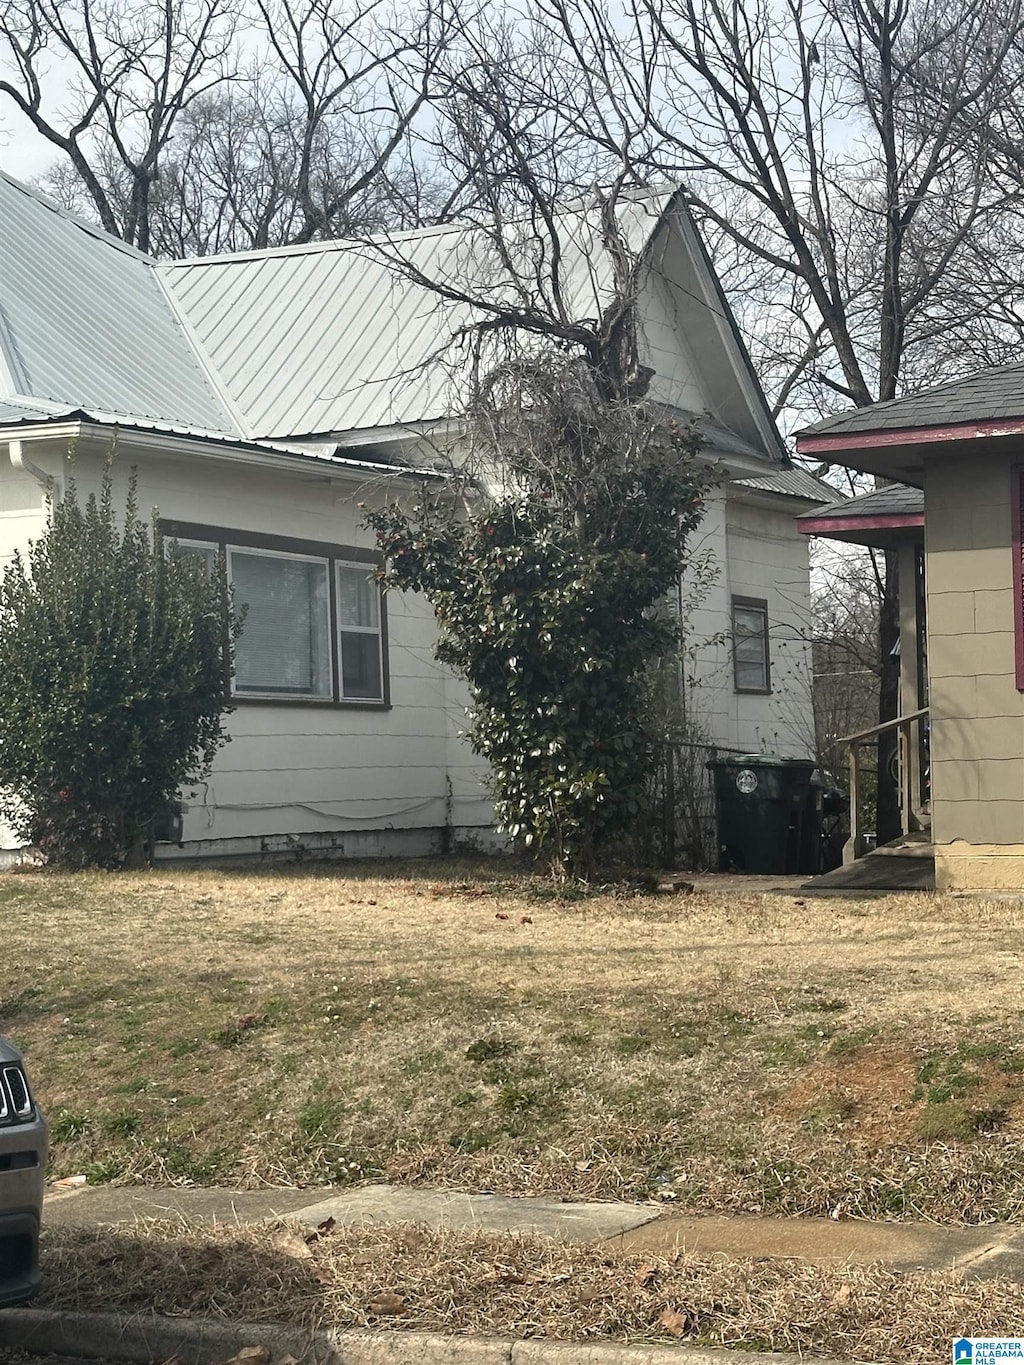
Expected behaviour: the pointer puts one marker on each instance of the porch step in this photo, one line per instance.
(906, 865)
(916, 845)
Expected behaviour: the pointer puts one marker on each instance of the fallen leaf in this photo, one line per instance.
(293, 1244)
(386, 1305)
(251, 1355)
(589, 1293)
(673, 1322)
(321, 1230)
(502, 1274)
(525, 919)
(499, 915)
(842, 1295)
(646, 1276)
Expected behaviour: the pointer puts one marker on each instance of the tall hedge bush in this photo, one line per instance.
(115, 660)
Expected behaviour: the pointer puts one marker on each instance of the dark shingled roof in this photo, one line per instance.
(986, 396)
(896, 499)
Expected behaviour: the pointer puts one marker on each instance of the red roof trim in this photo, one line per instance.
(809, 444)
(1017, 508)
(891, 521)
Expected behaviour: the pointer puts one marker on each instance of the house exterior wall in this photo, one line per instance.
(22, 518)
(756, 552)
(347, 778)
(977, 713)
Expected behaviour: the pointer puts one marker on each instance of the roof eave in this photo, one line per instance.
(810, 525)
(156, 442)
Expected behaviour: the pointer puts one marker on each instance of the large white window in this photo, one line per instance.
(285, 645)
(314, 625)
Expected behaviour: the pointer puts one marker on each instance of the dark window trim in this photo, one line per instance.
(1017, 509)
(752, 604)
(224, 536)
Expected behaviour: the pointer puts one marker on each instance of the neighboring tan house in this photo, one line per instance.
(265, 397)
(962, 444)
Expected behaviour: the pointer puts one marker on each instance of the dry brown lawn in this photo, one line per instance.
(465, 1026)
(484, 1283)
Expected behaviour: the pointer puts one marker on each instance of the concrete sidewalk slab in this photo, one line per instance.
(91, 1205)
(369, 1204)
(822, 1241)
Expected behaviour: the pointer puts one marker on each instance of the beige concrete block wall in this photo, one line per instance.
(977, 713)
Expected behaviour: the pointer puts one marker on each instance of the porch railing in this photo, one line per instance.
(910, 776)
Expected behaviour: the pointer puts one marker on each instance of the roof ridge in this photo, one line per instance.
(93, 229)
(385, 239)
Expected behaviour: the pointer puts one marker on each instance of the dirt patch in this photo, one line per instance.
(868, 1092)
(892, 1096)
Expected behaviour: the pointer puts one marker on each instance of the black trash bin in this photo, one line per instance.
(761, 802)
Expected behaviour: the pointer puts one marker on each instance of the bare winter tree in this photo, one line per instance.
(133, 71)
(188, 131)
(845, 655)
(857, 221)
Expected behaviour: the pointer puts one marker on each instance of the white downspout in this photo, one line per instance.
(50, 485)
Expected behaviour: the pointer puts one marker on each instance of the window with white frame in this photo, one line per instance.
(751, 658)
(285, 645)
(359, 642)
(314, 625)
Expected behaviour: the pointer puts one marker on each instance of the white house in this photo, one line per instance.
(264, 396)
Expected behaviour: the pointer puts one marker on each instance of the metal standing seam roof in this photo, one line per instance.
(83, 320)
(989, 395)
(793, 482)
(330, 337)
(294, 343)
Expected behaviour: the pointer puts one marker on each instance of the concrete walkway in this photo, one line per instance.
(144, 1338)
(976, 1252)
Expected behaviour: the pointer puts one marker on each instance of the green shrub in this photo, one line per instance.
(115, 661)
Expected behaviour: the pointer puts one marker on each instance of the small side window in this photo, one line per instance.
(751, 658)
(196, 549)
(359, 634)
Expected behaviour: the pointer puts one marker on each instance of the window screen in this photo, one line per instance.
(284, 648)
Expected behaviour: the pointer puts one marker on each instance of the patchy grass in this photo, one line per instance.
(447, 1024)
(485, 1283)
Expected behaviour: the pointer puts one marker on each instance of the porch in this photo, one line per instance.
(890, 518)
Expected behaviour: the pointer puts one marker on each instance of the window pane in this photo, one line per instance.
(751, 677)
(206, 553)
(358, 598)
(750, 647)
(284, 646)
(360, 665)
